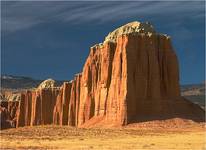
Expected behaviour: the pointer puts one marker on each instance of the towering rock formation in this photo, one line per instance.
(131, 77)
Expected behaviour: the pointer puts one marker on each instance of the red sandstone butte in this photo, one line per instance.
(131, 77)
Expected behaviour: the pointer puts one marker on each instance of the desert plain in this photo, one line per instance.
(155, 135)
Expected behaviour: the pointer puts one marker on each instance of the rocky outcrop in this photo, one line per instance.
(5, 118)
(132, 76)
(131, 28)
(8, 111)
(49, 83)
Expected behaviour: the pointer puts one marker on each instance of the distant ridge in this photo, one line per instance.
(21, 82)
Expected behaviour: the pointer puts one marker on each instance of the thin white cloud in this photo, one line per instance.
(21, 15)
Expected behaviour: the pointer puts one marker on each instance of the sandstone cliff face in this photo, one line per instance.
(95, 82)
(36, 107)
(61, 108)
(43, 102)
(120, 75)
(8, 114)
(74, 105)
(153, 83)
(131, 77)
(154, 79)
(128, 78)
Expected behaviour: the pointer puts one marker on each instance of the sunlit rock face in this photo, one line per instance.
(36, 107)
(49, 83)
(130, 28)
(74, 105)
(61, 109)
(133, 76)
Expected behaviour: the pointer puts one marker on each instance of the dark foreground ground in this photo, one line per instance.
(151, 135)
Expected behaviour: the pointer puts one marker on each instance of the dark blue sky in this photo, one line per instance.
(52, 39)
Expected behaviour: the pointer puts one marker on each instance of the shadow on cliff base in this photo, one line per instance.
(175, 108)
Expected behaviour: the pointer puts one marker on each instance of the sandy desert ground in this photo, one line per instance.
(190, 137)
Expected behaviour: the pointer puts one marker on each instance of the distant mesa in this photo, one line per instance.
(131, 77)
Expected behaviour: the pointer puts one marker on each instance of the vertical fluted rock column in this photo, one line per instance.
(28, 105)
(95, 82)
(43, 102)
(60, 113)
(74, 101)
(35, 108)
(24, 109)
(20, 122)
(12, 108)
(116, 102)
